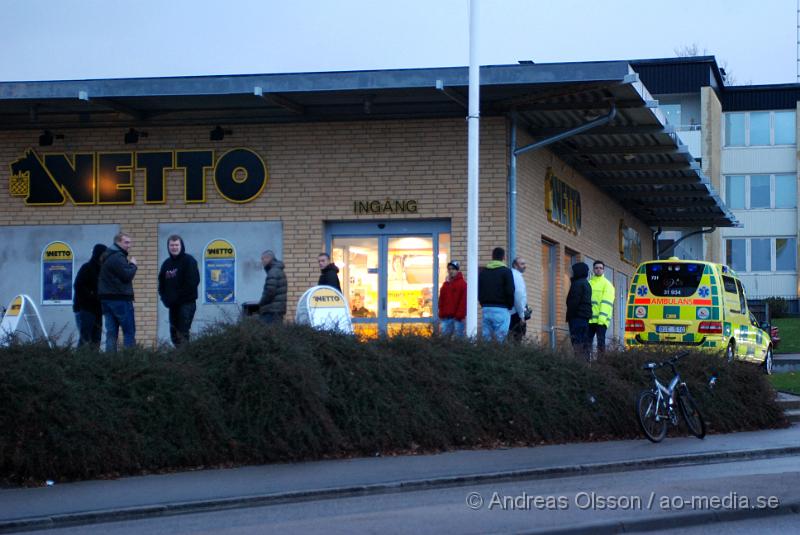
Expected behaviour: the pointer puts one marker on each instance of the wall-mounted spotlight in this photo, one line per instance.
(47, 137)
(133, 135)
(218, 133)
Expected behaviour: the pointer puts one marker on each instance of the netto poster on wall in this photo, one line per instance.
(219, 270)
(57, 269)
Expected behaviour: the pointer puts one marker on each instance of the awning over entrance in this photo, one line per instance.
(637, 158)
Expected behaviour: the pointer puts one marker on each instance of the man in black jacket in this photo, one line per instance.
(329, 273)
(177, 287)
(579, 309)
(496, 295)
(87, 309)
(272, 305)
(115, 288)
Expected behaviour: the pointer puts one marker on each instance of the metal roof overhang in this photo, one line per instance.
(636, 159)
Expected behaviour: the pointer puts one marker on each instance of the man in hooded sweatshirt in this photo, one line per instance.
(178, 280)
(272, 306)
(329, 273)
(87, 308)
(579, 309)
(496, 295)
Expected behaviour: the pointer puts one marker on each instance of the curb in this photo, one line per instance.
(671, 521)
(146, 511)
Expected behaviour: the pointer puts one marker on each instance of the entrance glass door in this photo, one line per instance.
(358, 260)
(391, 279)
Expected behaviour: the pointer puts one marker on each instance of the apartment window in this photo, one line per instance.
(672, 113)
(734, 192)
(785, 129)
(761, 254)
(736, 254)
(785, 254)
(760, 257)
(760, 192)
(734, 129)
(760, 128)
(785, 191)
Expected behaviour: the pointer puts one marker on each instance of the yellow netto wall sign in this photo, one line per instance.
(91, 178)
(386, 206)
(562, 203)
(630, 244)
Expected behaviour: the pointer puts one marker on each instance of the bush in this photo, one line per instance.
(778, 307)
(250, 393)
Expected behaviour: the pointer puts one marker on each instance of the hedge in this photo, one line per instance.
(249, 393)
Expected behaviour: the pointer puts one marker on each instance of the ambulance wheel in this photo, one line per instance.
(730, 353)
(768, 361)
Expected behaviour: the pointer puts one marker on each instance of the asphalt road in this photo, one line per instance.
(664, 495)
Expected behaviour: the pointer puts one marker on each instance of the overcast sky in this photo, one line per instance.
(79, 39)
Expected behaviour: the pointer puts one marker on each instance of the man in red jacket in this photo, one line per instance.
(453, 302)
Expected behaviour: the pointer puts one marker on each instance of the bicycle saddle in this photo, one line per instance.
(650, 366)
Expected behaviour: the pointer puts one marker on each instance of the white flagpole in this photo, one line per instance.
(472, 168)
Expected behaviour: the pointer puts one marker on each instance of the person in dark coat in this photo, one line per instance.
(178, 280)
(86, 306)
(496, 296)
(115, 288)
(579, 309)
(272, 306)
(329, 273)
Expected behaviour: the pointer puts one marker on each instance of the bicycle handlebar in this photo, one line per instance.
(669, 362)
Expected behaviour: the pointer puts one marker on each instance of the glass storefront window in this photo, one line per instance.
(734, 192)
(734, 129)
(759, 128)
(785, 132)
(785, 191)
(785, 254)
(759, 191)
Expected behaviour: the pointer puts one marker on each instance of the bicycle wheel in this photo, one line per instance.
(646, 411)
(691, 414)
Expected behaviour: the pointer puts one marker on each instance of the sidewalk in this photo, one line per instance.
(787, 362)
(133, 497)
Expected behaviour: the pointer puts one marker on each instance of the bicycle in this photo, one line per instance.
(656, 407)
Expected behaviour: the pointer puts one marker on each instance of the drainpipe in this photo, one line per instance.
(512, 165)
(656, 234)
(695, 233)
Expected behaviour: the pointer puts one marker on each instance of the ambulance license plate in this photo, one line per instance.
(678, 329)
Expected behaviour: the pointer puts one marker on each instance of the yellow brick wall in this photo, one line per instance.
(316, 172)
(597, 238)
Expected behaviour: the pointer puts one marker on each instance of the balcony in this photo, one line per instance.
(690, 136)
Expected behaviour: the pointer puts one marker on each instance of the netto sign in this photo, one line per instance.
(90, 178)
(562, 203)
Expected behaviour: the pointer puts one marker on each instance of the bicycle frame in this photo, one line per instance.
(667, 392)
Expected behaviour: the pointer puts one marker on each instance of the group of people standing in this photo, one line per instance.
(104, 293)
(501, 293)
(590, 306)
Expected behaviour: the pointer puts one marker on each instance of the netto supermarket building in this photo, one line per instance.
(577, 162)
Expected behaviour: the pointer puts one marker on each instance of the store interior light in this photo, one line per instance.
(219, 133)
(133, 135)
(47, 137)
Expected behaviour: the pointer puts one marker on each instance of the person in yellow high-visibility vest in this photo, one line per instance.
(602, 305)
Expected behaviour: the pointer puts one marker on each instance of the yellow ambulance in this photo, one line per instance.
(696, 304)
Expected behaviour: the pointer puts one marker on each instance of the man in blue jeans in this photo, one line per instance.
(115, 289)
(496, 295)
